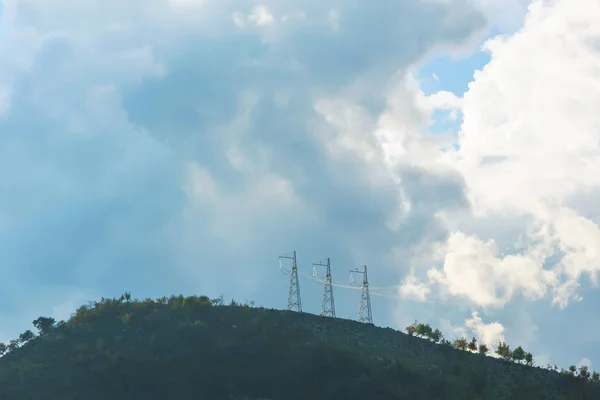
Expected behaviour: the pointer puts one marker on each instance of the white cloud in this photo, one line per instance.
(584, 361)
(474, 269)
(399, 128)
(488, 333)
(491, 333)
(530, 148)
(259, 16)
(411, 288)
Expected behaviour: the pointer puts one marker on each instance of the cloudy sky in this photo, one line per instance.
(181, 146)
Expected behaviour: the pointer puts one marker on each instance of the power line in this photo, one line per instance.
(328, 306)
(294, 300)
(364, 312)
(373, 290)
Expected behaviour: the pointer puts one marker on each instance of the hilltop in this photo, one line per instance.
(196, 348)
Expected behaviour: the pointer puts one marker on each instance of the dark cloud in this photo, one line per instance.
(94, 164)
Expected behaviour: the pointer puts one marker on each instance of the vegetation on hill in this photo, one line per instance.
(503, 351)
(196, 348)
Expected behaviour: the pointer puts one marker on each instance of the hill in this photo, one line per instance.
(196, 348)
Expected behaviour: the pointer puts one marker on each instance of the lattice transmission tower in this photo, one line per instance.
(364, 311)
(294, 300)
(328, 307)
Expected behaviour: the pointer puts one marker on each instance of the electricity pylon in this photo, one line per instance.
(364, 311)
(328, 307)
(294, 300)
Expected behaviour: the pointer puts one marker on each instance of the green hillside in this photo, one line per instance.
(195, 348)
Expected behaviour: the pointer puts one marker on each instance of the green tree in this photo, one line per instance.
(44, 324)
(518, 354)
(503, 350)
(595, 377)
(529, 359)
(26, 336)
(472, 344)
(436, 336)
(219, 301)
(423, 330)
(572, 369)
(3, 349)
(13, 345)
(483, 349)
(411, 329)
(584, 372)
(460, 343)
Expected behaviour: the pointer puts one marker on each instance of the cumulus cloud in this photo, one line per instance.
(529, 148)
(474, 269)
(412, 289)
(491, 333)
(259, 16)
(584, 361)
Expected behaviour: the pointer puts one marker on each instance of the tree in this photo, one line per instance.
(460, 343)
(436, 336)
(483, 349)
(44, 324)
(3, 349)
(26, 336)
(595, 376)
(584, 372)
(529, 359)
(13, 345)
(503, 350)
(219, 301)
(572, 369)
(411, 329)
(423, 330)
(472, 344)
(518, 354)
(127, 296)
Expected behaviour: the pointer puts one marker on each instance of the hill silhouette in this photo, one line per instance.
(196, 348)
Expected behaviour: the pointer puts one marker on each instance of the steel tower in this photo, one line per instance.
(328, 307)
(294, 300)
(364, 311)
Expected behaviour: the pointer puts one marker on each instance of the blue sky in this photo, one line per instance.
(181, 146)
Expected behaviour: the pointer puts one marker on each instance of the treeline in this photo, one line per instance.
(503, 350)
(46, 325)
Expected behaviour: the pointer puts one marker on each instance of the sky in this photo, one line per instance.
(181, 146)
